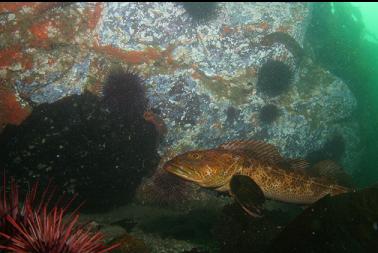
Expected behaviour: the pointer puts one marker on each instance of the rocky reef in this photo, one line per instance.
(343, 223)
(194, 72)
(236, 231)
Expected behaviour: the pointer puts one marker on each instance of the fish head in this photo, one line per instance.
(208, 168)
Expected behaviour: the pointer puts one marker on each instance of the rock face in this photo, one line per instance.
(202, 77)
(346, 222)
(238, 232)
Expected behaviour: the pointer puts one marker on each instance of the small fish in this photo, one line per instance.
(154, 119)
(254, 170)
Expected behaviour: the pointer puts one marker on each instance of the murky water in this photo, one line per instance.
(188, 127)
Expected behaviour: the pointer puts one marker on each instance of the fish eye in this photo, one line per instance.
(195, 156)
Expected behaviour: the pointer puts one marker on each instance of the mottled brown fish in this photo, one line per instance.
(252, 171)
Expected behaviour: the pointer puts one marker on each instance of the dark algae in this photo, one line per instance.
(89, 146)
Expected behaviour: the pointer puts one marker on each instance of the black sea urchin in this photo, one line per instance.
(200, 11)
(274, 78)
(269, 113)
(124, 91)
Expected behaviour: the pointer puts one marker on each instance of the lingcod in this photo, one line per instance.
(252, 171)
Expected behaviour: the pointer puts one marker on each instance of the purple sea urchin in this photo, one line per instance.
(124, 92)
(200, 11)
(269, 113)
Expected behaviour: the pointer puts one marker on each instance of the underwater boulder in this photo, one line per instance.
(164, 189)
(193, 71)
(131, 244)
(343, 223)
(333, 149)
(237, 231)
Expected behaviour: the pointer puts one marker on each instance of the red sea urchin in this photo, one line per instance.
(33, 228)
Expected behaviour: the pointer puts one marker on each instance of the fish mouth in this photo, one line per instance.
(180, 171)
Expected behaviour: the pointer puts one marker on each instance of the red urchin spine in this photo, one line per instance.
(38, 230)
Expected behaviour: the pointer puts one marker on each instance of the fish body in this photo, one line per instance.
(290, 186)
(279, 179)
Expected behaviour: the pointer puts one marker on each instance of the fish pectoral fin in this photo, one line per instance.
(247, 194)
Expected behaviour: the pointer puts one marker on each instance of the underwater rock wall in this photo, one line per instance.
(201, 76)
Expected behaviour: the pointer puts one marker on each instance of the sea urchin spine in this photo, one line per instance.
(40, 230)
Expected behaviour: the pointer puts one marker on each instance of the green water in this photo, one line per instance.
(344, 40)
(369, 16)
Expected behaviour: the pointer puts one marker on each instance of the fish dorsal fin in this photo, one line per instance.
(298, 165)
(331, 171)
(255, 150)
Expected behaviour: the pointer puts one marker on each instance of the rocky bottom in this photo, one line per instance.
(346, 221)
